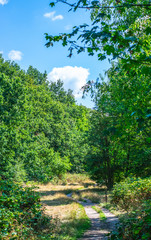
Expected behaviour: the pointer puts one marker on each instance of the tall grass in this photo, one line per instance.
(71, 219)
(73, 179)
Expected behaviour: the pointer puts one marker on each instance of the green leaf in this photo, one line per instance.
(52, 4)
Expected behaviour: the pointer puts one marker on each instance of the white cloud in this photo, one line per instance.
(52, 16)
(58, 17)
(2, 2)
(49, 15)
(73, 77)
(1, 52)
(15, 55)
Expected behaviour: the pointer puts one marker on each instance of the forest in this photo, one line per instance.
(45, 135)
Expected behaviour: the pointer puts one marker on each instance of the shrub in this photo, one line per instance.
(133, 195)
(136, 227)
(130, 193)
(21, 213)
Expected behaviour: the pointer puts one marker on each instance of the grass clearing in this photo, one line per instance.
(82, 179)
(76, 224)
(71, 219)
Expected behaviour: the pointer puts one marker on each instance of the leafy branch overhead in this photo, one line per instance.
(99, 4)
(118, 29)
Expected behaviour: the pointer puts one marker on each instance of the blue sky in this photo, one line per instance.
(23, 24)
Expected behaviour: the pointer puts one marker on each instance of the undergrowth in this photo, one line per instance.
(134, 197)
(21, 213)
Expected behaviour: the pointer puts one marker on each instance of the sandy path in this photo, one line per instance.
(98, 229)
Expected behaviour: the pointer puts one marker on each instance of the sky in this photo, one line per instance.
(23, 24)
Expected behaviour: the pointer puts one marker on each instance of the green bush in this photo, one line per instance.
(136, 227)
(133, 195)
(130, 193)
(21, 213)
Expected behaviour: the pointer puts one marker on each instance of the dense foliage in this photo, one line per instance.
(133, 195)
(42, 130)
(123, 121)
(44, 133)
(119, 134)
(21, 213)
(118, 29)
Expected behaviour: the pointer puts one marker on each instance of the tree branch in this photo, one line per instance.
(137, 61)
(105, 7)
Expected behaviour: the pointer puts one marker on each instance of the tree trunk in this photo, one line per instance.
(108, 165)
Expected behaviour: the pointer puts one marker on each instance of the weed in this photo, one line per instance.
(98, 210)
(21, 213)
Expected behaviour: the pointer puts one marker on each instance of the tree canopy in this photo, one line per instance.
(119, 134)
(44, 133)
(42, 129)
(119, 29)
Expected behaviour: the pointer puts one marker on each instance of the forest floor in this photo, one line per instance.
(76, 210)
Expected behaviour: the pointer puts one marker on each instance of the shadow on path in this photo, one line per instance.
(98, 229)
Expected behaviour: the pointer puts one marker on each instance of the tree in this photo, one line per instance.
(100, 162)
(59, 94)
(42, 129)
(120, 129)
(119, 29)
(39, 78)
(12, 115)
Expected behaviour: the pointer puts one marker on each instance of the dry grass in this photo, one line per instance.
(55, 200)
(69, 217)
(74, 179)
(95, 194)
(72, 219)
(59, 205)
(81, 179)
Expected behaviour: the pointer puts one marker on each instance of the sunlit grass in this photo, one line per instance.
(113, 209)
(73, 179)
(98, 210)
(94, 194)
(70, 216)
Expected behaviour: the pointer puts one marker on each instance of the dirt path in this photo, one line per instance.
(98, 229)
